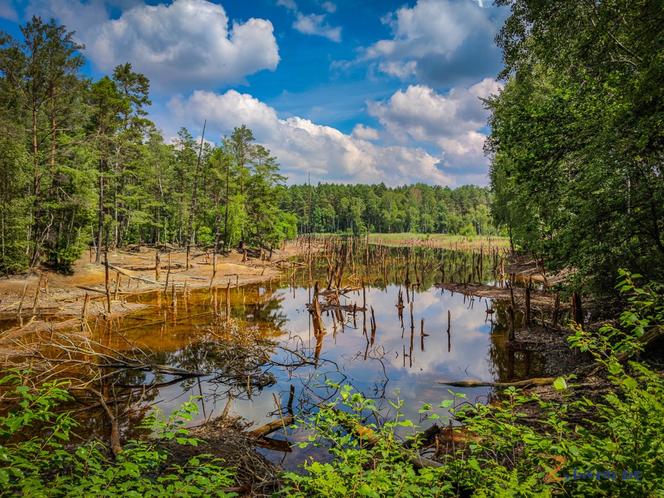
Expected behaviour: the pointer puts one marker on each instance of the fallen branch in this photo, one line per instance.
(270, 427)
(135, 277)
(538, 381)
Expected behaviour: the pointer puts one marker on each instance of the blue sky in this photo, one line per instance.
(342, 90)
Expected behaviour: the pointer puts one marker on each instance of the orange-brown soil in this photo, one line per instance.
(45, 300)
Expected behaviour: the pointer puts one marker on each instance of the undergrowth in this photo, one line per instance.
(39, 458)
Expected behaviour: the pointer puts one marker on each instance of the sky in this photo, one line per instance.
(339, 90)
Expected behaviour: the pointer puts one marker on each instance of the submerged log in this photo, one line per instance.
(538, 381)
(270, 427)
(274, 444)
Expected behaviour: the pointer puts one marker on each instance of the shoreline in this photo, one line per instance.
(47, 301)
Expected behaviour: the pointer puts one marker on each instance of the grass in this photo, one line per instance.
(445, 241)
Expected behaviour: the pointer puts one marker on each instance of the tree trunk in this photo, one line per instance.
(100, 218)
(192, 208)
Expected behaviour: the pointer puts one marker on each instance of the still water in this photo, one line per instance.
(403, 360)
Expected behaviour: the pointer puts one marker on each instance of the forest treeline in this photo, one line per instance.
(578, 136)
(415, 208)
(83, 165)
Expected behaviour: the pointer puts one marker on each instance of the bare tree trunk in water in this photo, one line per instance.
(100, 219)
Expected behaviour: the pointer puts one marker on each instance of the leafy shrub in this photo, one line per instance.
(360, 469)
(47, 464)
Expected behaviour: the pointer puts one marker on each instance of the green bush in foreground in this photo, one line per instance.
(48, 464)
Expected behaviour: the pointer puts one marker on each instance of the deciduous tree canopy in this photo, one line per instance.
(578, 135)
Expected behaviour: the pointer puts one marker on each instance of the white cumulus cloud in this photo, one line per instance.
(439, 42)
(314, 24)
(453, 122)
(365, 132)
(178, 45)
(186, 42)
(289, 4)
(302, 146)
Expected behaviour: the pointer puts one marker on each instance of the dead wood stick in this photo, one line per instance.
(116, 447)
(34, 304)
(108, 291)
(84, 312)
(168, 273)
(274, 444)
(20, 305)
(135, 277)
(157, 265)
(281, 415)
(270, 427)
(91, 289)
(117, 285)
(538, 381)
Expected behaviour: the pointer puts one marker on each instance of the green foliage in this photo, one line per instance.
(642, 317)
(417, 208)
(577, 136)
(37, 457)
(14, 208)
(357, 468)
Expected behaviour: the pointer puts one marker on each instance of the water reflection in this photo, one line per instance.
(396, 338)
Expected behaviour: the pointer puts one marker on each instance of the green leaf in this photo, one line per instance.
(560, 384)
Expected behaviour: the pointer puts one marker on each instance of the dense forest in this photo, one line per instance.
(88, 167)
(578, 136)
(416, 208)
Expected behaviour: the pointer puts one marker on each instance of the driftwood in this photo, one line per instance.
(122, 271)
(274, 444)
(91, 289)
(538, 381)
(270, 427)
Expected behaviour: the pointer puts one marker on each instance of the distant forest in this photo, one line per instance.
(377, 208)
(83, 165)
